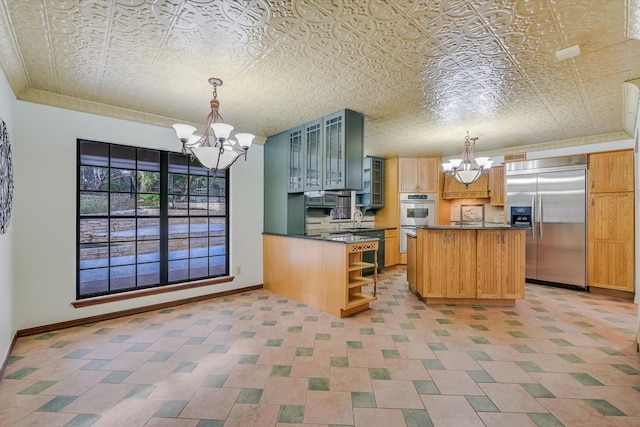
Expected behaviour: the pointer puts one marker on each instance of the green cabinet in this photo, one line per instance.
(326, 154)
(343, 150)
(372, 194)
(283, 212)
(313, 156)
(296, 159)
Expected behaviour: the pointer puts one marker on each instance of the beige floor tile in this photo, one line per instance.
(457, 361)
(450, 411)
(506, 372)
(328, 407)
(575, 412)
(375, 417)
(406, 369)
(512, 398)
(360, 358)
(129, 412)
(48, 419)
(277, 356)
(350, 379)
(248, 376)
(563, 385)
(455, 382)
(396, 394)
(99, 399)
(253, 415)
(285, 391)
(497, 419)
(211, 403)
(310, 367)
(171, 422)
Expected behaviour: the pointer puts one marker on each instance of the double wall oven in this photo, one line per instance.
(415, 210)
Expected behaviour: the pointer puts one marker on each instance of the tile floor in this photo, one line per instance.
(257, 359)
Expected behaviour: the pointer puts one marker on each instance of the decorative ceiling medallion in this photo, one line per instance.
(6, 179)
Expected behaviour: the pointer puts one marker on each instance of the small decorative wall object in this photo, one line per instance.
(472, 213)
(6, 178)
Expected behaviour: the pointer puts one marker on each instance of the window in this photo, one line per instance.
(147, 218)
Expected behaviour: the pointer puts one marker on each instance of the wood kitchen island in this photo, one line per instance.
(324, 272)
(468, 265)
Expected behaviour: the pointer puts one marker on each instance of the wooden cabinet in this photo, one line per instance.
(497, 185)
(418, 175)
(391, 248)
(411, 263)
(500, 270)
(324, 274)
(610, 243)
(450, 271)
(611, 172)
(610, 222)
(355, 299)
(453, 189)
(372, 194)
(468, 266)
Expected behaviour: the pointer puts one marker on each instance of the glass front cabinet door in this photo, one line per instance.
(313, 156)
(343, 150)
(296, 160)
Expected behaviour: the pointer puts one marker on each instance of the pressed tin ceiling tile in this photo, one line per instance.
(422, 71)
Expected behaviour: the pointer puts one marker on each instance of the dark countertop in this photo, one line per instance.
(484, 226)
(338, 237)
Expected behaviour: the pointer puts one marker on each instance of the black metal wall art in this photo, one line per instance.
(6, 179)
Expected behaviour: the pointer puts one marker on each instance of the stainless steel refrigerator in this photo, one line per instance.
(555, 189)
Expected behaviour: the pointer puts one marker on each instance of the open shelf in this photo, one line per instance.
(359, 281)
(359, 299)
(360, 265)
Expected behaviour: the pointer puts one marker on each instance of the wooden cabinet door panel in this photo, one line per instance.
(513, 265)
(434, 256)
(489, 277)
(461, 264)
(496, 185)
(408, 173)
(610, 244)
(611, 171)
(427, 178)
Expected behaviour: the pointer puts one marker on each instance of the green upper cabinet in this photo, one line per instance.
(296, 159)
(372, 194)
(283, 212)
(326, 154)
(313, 156)
(343, 150)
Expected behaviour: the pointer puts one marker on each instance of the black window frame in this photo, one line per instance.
(169, 162)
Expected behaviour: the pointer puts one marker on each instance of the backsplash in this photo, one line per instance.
(327, 223)
(475, 210)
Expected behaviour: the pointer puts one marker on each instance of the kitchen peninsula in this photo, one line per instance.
(468, 265)
(324, 271)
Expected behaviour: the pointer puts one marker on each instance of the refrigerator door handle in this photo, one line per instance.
(533, 215)
(540, 216)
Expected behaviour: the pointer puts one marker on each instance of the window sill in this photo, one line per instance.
(87, 302)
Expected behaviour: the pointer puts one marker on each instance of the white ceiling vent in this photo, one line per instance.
(568, 52)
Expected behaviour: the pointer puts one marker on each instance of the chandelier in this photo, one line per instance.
(214, 149)
(468, 169)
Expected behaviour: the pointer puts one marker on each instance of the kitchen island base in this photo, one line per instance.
(482, 266)
(324, 274)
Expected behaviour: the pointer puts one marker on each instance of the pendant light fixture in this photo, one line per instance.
(214, 149)
(467, 169)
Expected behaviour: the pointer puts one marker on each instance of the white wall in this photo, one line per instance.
(7, 281)
(44, 221)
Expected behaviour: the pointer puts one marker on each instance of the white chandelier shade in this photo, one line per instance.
(214, 149)
(467, 169)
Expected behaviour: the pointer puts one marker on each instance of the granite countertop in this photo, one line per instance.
(474, 226)
(339, 237)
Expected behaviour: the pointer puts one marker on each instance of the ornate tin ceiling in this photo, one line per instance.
(422, 71)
